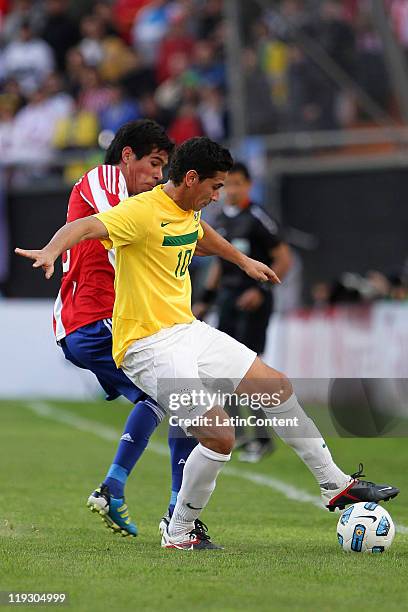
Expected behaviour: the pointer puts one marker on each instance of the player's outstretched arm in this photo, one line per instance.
(212, 243)
(67, 236)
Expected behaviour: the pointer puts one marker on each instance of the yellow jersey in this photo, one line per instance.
(155, 241)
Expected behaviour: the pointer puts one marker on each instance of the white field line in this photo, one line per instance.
(110, 434)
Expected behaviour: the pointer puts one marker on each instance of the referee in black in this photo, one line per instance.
(244, 306)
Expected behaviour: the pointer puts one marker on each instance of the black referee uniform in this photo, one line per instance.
(254, 233)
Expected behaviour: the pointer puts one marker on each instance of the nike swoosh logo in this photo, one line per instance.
(366, 516)
(192, 507)
(164, 224)
(385, 489)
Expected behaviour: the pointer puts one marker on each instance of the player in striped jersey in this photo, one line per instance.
(83, 308)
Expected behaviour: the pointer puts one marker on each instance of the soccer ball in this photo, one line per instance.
(365, 527)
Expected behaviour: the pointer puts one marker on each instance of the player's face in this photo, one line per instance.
(237, 189)
(145, 173)
(207, 191)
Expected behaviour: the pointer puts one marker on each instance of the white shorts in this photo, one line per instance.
(179, 364)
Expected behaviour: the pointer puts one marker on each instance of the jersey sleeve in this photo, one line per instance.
(126, 224)
(200, 232)
(265, 228)
(103, 188)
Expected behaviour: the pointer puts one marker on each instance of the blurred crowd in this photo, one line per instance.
(72, 72)
(311, 54)
(353, 288)
(68, 81)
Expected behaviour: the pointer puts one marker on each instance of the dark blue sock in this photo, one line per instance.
(180, 448)
(141, 423)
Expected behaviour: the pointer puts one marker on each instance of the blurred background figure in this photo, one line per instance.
(19, 12)
(28, 59)
(119, 110)
(149, 27)
(244, 307)
(59, 30)
(93, 34)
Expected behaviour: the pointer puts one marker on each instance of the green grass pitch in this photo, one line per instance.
(279, 553)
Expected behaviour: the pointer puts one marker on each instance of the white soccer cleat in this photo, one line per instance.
(196, 539)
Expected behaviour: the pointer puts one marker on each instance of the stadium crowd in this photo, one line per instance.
(68, 80)
(72, 72)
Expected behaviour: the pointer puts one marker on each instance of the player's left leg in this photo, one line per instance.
(90, 348)
(222, 356)
(109, 498)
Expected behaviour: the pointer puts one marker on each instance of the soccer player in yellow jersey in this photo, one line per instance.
(183, 363)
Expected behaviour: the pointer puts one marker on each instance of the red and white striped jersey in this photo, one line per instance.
(87, 287)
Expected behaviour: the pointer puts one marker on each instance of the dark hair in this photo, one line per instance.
(240, 168)
(201, 154)
(142, 136)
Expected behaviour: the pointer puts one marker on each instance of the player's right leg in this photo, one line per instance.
(180, 447)
(175, 373)
(90, 347)
(185, 531)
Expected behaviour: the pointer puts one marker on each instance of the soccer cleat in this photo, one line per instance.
(165, 522)
(355, 490)
(114, 511)
(196, 539)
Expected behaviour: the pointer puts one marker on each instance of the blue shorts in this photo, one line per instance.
(90, 348)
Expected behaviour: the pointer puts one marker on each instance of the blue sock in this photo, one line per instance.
(141, 423)
(180, 448)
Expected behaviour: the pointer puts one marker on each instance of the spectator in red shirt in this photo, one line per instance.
(185, 125)
(177, 41)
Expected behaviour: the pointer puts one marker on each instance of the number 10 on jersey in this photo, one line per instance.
(184, 259)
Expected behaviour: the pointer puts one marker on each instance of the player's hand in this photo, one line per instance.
(42, 259)
(259, 271)
(200, 310)
(250, 300)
